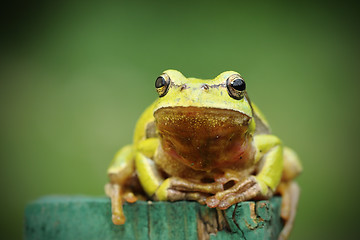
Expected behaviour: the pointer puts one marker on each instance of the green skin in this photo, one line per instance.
(200, 141)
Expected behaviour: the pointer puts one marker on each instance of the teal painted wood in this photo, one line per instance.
(79, 217)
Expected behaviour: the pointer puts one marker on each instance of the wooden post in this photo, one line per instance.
(80, 217)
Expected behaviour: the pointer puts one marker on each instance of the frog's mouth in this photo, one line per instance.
(204, 138)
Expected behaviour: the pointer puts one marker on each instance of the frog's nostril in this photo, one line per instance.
(184, 86)
(205, 87)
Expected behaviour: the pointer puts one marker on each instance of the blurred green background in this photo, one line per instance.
(76, 76)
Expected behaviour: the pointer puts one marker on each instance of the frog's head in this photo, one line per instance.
(196, 117)
(226, 91)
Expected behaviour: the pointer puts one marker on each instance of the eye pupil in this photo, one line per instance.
(160, 82)
(238, 84)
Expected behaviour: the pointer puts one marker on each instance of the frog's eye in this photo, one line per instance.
(236, 86)
(162, 84)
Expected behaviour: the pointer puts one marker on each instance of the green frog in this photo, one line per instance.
(204, 141)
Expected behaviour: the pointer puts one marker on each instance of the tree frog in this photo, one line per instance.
(205, 141)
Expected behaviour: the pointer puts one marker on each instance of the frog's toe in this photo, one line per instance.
(226, 198)
(229, 200)
(190, 186)
(212, 202)
(233, 198)
(130, 197)
(175, 195)
(118, 219)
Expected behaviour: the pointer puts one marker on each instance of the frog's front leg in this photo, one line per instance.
(122, 172)
(269, 151)
(172, 188)
(175, 188)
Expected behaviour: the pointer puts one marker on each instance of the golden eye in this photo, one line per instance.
(236, 86)
(162, 84)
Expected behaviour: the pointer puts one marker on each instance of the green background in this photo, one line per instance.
(76, 76)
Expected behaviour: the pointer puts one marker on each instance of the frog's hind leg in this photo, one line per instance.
(289, 190)
(114, 192)
(292, 165)
(120, 170)
(290, 193)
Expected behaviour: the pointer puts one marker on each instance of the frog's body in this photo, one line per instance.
(203, 140)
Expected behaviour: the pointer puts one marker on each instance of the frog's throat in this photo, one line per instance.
(204, 138)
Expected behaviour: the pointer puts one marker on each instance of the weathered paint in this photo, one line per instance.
(79, 217)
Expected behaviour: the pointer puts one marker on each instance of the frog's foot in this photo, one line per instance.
(290, 193)
(241, 191)
(175, 189)
(175, 195)
(114, 191)
(190, 186)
